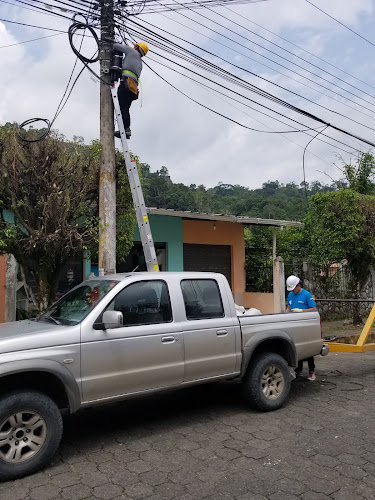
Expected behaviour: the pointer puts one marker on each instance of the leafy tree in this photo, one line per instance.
(273, 200)
(49, 204)
(125, 214)
(343, 228)
(360, 177)
(339, 227)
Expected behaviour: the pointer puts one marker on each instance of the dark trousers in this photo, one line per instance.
(125, 99)
(310, 362)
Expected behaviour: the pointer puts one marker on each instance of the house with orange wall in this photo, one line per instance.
(189, 241)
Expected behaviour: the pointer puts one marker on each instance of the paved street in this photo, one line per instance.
(203, 443)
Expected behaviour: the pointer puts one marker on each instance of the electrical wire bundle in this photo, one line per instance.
(142, 30)
(72, 31)
(175, 56)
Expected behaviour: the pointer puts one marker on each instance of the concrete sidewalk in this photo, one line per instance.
(203, 443)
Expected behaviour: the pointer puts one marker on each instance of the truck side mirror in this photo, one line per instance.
(112, 319)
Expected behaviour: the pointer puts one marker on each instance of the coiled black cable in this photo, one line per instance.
(29, 122)
(77, 25)
(73, 28)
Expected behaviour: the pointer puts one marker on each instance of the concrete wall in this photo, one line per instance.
(10, 288)
(221, 233)
(166, 229)
(2, 287)
(261, 301)
(8, 280)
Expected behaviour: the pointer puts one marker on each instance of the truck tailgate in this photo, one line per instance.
(302, 328)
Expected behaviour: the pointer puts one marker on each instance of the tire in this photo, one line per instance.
(30, 432)
(266, 385)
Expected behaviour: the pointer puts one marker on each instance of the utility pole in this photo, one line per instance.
(107, 180)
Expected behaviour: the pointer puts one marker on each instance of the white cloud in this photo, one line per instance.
(194, 144)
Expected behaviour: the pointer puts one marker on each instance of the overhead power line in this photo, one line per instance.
(237, 51)
(298, 47)
(32, 26)
(207, 66)
(224, 116)
(27, 8)
(28, 41)
(233, 80)
(270, 109)
(66, 95)
(282, 57)
(342, 24)
(252, 86)
(150, 6)
(188, 76)
(216, 91)
(260, 91)
(47, 9)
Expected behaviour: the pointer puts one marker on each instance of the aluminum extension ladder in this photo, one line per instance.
(137, 193)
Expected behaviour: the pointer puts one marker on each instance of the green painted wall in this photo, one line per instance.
(167, 229)
(86, 264)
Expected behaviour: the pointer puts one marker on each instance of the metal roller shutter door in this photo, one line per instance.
(208, 258)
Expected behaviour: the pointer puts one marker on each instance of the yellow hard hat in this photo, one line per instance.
(143, 46)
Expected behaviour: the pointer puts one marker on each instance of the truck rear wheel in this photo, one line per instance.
(266, 385)
(30, 432)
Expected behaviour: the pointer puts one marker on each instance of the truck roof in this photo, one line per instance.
(164, 274)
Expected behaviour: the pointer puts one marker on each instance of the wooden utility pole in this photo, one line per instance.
(107, 181)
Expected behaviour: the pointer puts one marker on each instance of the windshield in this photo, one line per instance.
(73, 307)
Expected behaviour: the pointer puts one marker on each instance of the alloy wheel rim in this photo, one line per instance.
(272, 382)
(22, 436)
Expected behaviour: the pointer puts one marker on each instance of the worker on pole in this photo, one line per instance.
(128, 88)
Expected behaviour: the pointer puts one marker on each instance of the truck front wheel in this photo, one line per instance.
(30, 432)
(266, 385)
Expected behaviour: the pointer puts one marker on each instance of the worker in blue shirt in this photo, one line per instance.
(300, 300)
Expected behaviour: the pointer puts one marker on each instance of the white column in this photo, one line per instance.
(10, 288)
(278, 285)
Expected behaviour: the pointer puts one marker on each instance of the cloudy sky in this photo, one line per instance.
(196, 145)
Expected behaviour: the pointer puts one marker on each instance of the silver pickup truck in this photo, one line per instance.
(126, 335)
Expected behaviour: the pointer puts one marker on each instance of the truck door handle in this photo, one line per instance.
(221, 332)
(168, 340)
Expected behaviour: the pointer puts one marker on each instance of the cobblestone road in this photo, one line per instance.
(203, 443)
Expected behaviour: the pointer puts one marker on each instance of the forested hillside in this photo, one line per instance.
(272, 201)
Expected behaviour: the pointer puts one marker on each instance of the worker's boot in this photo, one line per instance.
(128, 133)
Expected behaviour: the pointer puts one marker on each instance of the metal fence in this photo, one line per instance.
(328, 281)
(259, 270)
(260, 279)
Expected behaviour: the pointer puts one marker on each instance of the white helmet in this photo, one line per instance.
(292, 282)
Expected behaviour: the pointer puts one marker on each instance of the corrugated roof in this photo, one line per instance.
(225, 218)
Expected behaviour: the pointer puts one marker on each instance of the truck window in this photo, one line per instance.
(73, 307)
(202, 299)
(143, 303)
